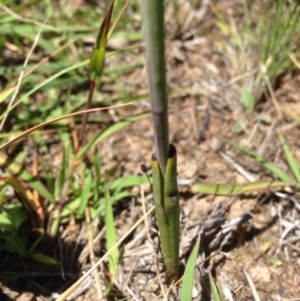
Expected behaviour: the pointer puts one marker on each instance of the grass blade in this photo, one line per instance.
(295, 117)
(235, 189)
(27, 132)
(188, 277)
(111, 237)
(108, 131)
(214, 289)
(290, 158)
(85, 192)
(262, 161)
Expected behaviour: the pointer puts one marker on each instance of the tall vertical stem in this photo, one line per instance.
(153, 29)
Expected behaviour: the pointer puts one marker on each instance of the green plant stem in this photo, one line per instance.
(86, 115)
(153, 29)
(166, 201)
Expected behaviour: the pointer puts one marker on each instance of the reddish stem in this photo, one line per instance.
(86, 115)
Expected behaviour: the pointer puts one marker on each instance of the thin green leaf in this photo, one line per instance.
(188, 277)
(100, 206)
(39, 86)
(61, 178)
(128, 181)
(214, 289)
(111, 237)
(71, 207)
(235, 189)
(295, 117)
(43, 258)
(107, 132)
(98, 177)
(85, 195)
(290, 158)
(262, 161)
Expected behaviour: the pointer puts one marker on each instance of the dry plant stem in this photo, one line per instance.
(153, 30)
(252, 286)
(271, 91)
(118, 18)
(164, 293)
(293, 58)
(31, 130)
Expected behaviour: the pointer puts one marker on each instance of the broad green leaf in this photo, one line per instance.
(290, 159)
(262, 161)
(188, 277)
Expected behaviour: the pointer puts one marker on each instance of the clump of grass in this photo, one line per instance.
(257, 47)
(77, 191)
